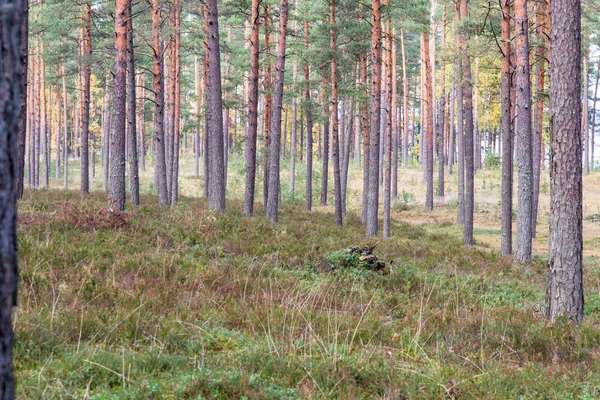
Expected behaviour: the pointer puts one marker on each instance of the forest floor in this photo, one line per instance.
(187, 303)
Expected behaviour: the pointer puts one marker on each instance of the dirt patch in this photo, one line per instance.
(106, 217)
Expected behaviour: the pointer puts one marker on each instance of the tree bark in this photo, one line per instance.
(337, 188)
(309, 126)
(116, 187)
(442, 113)
(564, 290)
(387, 179)
(176, 103)
(507, 134)
(216, 165)
(523, 136)
(85, 115)
(22, 139)
(373, 192)
(405, 101)
(134, 180)
(325, 138)
(428, 99)
(275, 139)
(158, 87)
(11, 84)
(251, 134)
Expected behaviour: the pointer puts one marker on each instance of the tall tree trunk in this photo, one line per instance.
(428, 99)
(387, 180)
(442, 113)
(373, 193)
(58, 127)
(337, 187)
(593, 130)
(141, 122)
(325, 138)
(460, 132)
(251, 134)
(268, 106)
(584, 111)
(469, 199)
(452, 121)
(293, 135)
(65, 129)
(216, 165)
(22, 139)
(405, 101)
(507, 134)
(176, 103)
(45, 147)
(116, 187)
(365, 132)
(523, 136)
(134, 179)
(205, 100)
(198, 94)
(564, 290)
(85, 115)
(275, 140)
(11, 84)
(309, 126)
(158, 87)
(539, 113)
(106, 130)
(395, 121)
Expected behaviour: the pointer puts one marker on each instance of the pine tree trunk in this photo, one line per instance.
(337, 187)
(268, 107)
(593, 130)
(197, 92)
(58, 127)
(65, 129)
(134, 179)
(85, 115)
(11, 84)
(460, 206)
(251, 134)
(405, 101)
(387, 179)
(507, 134)
(106, 129)
(176, 104)
(116, 187)
(293, 135)
(428, 99)
(442, 113)
(395, 119)
(539, 115)
(325, 138)
(564, 290)
(452, 121)
(469, 199)
(44, 119)
(364, 127)
(275, 139)
(141, 122)
(158, 87)
(584, 112)
(373, 192)
(22, 139)
(523, 136)
(216, 164)
(309, 127)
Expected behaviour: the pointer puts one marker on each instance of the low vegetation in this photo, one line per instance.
(186, 303)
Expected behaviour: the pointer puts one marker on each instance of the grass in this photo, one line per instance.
(186, 303)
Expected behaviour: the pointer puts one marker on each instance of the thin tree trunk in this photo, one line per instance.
(197, 92)
(24, 58)
(134, 179)
(387, 180)
(309, 126)
(460, 209)
(85, 115)
(325, 138)
(395, 121)
(405, 101)
(44, 119)
(523, 136)
(65, 129)
(293, 135)
(507, 134)
(584, 113)
(452, 123)
(428, 98)
(251, 134)
(364, 124)
(141, 122)
(442, 113)
(593, 130)
(275, 140)
(106, 129)
(337, 187)
(539, 115)
(176, 104)
(158, 87)
(58, 127)
(564, 290)
(268, 107)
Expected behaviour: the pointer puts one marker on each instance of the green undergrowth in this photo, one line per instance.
(187, 303)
